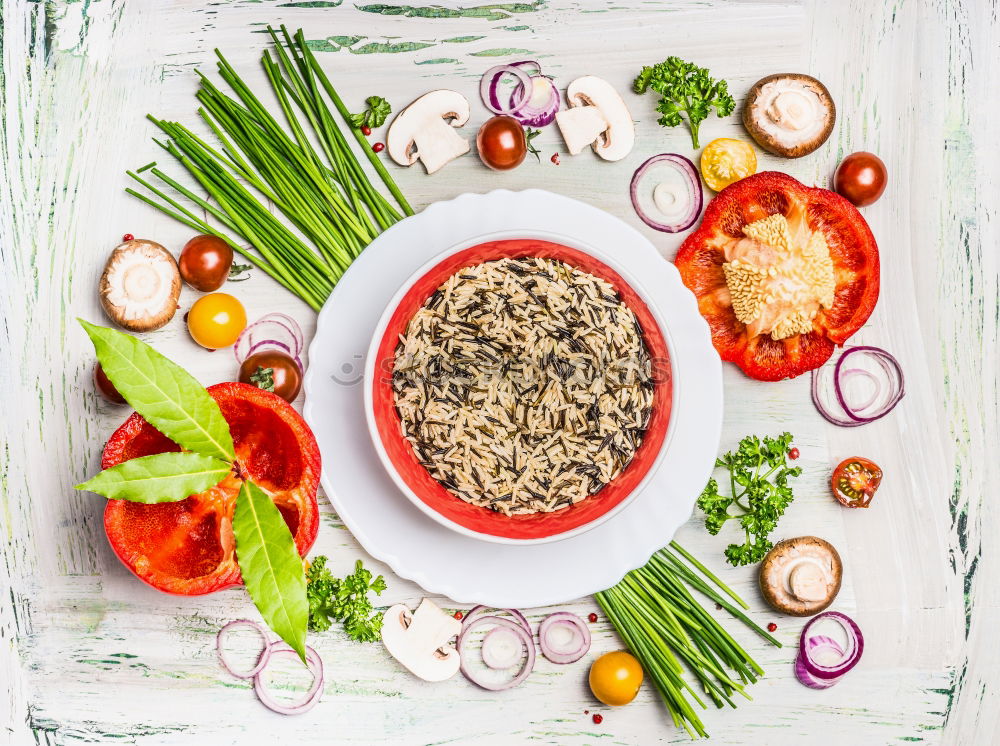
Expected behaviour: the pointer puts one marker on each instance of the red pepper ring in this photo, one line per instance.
(853, 252)
(187, 547)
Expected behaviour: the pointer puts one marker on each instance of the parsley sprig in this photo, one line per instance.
(345, 600)
(758, 492)
(375, 115)
(687, 90)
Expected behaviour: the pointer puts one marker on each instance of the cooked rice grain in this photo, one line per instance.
(523, 385)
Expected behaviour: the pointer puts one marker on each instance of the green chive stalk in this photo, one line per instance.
(670, 632)
(265, 167)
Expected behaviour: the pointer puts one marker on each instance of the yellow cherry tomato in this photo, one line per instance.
(725, 160)
(615, 678)
(216, 320)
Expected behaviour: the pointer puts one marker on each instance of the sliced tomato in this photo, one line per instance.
(852, 249)
(855, 481)
(187, 547)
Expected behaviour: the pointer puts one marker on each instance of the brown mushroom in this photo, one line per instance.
(789, 114)
(801, 576)
(140, 285)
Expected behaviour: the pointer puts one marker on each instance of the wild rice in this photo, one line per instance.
(523, 385)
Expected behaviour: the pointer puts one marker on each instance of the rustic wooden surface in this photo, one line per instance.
(88, 654)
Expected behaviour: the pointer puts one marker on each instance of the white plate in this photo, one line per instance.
(461, 567)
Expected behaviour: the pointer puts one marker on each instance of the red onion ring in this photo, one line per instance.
(309, 699)
(477, 611)
(516, 628)
(491, 80)
(262, 659)
(854, 417)
(827, 674)
(563, 653)
(532, 115)
(819, 642)
(692, 182)
(275, 330)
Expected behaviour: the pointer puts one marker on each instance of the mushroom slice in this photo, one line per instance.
(597, 116)
(140, 286)
(801, 576)
(425, 130)
(789, 114)
(421, 640)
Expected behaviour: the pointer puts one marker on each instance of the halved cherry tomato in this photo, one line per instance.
(187, 547)
(852, 249)
(724, 161)
(855, 481)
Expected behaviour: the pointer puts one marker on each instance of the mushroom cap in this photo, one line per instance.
(140, 285)
(803, 554)
(760, 122)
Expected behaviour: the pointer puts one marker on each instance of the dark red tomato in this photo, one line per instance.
(501, 143)
(205, 262)
(285, 372)
(105, 387)
(854, 482)
(861, 178)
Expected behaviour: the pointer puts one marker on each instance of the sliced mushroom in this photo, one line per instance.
(425, 130)
(789, 114)
(801, 576)
(421, 640)
(140, 285)
(597, 116)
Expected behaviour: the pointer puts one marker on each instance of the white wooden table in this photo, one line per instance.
(89, 654)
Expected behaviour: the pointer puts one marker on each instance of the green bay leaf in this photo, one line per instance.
(166, 395)
(160, 478)
(271, 567)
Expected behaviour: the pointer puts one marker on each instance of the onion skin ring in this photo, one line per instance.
(829, 675)
(563, 618)
(894, 374)
(686, 168)
(262, 659)
(309, 699)
(526, 640)
(491, 79)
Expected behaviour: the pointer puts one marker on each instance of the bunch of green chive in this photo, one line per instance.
(332, 207)
(658, 618)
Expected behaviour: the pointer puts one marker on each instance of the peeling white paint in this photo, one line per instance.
(88, 653)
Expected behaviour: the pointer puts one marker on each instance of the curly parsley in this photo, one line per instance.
(685, 89)
(344, 600)
(759, 493)
(375, 115)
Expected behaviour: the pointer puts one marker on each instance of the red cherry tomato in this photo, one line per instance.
(205, 262)
(105, 387)
(861, 178)
(501, 143)
(854, 482)
(284, 372)
(378, 147)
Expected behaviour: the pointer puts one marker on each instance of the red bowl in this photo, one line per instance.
(432, 497)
